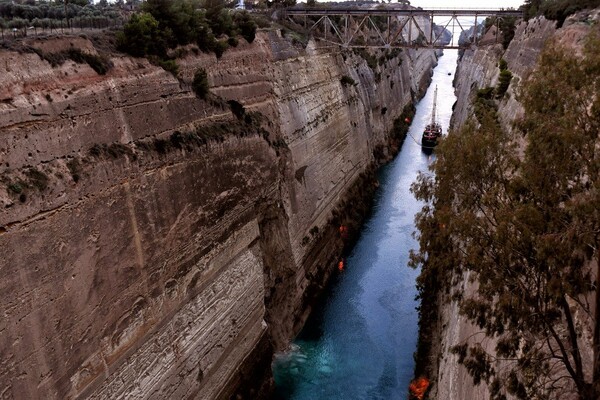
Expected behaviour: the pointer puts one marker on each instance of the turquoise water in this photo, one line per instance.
(359, 343)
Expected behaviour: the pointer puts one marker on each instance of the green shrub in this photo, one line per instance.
(100, 64)
(485, 93)
(165, 24)
(508, 28)
(143, 36)
(161, 146)
(218, 18)
(368, 57)
(16, 188)
(559, 10)
(261, 21)
(503, 83)
(237, 109)
(75, 169)
(246, 26)
(169, 66)
(219, 47)
(181, 52)
(345, 80)
(113, 150)
(232, 42)
(502, 64)
(200, 83)
(96, 150)
(37, 178)
(205, 39)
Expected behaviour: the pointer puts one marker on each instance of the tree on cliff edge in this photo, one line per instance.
(527, 229)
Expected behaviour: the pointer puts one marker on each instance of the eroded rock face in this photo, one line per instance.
(479, 69)
(155, 246)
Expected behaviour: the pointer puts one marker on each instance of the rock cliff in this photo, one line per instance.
(476, 70)
(154, 244)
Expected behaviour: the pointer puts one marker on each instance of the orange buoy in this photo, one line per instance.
(341, 265)
(418, 387)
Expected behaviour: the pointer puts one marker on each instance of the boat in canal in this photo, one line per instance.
(433, 130)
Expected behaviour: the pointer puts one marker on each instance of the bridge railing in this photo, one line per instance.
(447, 12)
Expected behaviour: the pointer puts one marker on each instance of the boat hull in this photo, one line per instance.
(430, 136)
(427, 142)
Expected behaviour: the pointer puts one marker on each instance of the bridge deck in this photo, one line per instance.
(407, 12)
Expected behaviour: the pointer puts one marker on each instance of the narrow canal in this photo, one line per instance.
(359, 344)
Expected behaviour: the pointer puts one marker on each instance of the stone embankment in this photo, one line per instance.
(154, 244)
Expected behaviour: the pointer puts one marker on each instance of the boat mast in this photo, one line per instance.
(434, 106)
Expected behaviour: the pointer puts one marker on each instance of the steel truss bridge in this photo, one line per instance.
(388, 27)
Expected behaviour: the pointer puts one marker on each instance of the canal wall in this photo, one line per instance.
(156, 244)
(478, 69)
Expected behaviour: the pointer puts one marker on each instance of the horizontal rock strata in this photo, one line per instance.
(153, 244)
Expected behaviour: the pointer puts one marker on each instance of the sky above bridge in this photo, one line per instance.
(453, 3)
(467, 3)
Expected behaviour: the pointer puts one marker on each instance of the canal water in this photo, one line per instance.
(359, 343)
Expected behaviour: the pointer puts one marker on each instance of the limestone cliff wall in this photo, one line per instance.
(155, 246)
(479, 69)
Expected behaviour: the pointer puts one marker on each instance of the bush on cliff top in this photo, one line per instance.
(51, 14)
(557, 10)
(165, 24)
(143, 36)
(507, 26)
(246, 26)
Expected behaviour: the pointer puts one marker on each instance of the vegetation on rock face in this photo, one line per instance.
(345, 80)
(557, 10)
(397, 135)
(503, 83)
(98, 63)
(504, 79)
(527, 229)
(200, 83)
(237, 109)
(368, 56)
